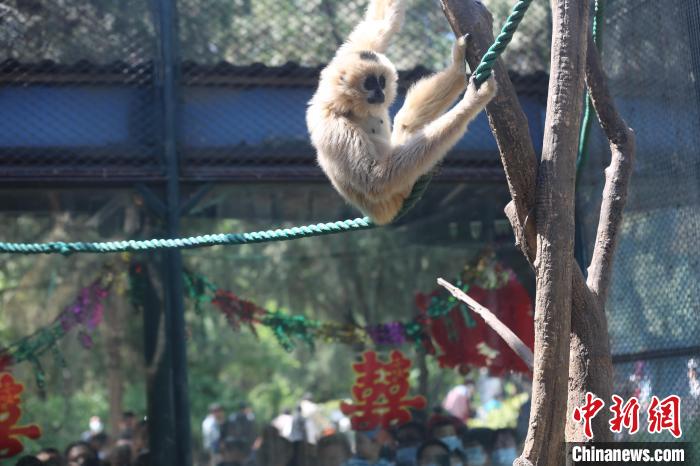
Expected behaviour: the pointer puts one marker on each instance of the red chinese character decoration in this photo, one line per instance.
(626, 415)
(665, 415)
(380, 394)
(10, 414)
(587, 412)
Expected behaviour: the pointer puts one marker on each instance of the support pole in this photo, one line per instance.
(168, 70)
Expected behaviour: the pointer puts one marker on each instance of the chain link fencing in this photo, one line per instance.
(651, 53)
(81, 99)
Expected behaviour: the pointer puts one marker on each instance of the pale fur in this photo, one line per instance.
(368, 164)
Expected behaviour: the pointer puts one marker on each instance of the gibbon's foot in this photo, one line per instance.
(484, 92)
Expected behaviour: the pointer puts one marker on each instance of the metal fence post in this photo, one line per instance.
(169, 72)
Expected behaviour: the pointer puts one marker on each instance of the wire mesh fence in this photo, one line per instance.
(650, 52)
(81, 98)
(82, 84)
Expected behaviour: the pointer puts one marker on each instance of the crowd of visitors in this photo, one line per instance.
(128, 448)
(305, 437)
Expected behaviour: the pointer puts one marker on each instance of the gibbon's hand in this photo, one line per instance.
(483, 92)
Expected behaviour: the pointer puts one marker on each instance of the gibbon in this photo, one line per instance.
(371, 166)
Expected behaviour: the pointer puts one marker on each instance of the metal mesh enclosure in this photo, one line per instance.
(651, 56)
(77, 89)
(88, 94)
(83, 84)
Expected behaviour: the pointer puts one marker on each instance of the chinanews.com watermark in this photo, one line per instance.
(655, 416)
(629, 453)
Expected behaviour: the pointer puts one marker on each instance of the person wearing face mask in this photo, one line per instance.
(457, 458)
(504, 450)
(433, 453)
(444, 428)
(408, 437)
(474, 441)
(368, 449)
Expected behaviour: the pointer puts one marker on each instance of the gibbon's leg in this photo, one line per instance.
(382, 20)
(430, 97)
(425, 148)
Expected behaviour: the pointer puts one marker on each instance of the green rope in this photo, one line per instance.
(482, 73)
(582, 157)
(285, 234)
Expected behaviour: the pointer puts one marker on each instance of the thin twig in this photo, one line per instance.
(511, 339)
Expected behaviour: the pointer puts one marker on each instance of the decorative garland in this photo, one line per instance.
(85, 311)
(291, 329)
(444, 328)
(443, 325)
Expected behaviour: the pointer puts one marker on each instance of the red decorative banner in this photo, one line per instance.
(10, 414)
(380, 393)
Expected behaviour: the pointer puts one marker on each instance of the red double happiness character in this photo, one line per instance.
(380, 394)
(10, 414)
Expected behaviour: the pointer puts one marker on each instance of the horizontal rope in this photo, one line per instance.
(285, 234)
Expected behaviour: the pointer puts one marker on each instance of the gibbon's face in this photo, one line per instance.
(367, 82)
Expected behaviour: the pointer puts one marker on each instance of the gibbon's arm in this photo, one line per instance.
(382, 20)
(428, 98)
(422, 151)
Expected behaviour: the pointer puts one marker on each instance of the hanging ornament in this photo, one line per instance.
(512, 305)
(238, 311)
(87, 310)
(10, 414)
(380, 393)
(462, 337)
(342, 333)
(288, 328)
(389, 334)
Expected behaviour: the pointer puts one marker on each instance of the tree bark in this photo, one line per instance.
(506, 118)
(554, 202)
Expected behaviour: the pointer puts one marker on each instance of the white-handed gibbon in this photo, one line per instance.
(370, 165)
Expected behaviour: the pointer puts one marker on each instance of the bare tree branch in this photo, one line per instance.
(591, 363)
(511, 339)
(617, 175)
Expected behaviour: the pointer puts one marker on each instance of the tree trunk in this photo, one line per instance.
(555, 234)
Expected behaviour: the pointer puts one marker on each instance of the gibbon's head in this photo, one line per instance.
(363, 82)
